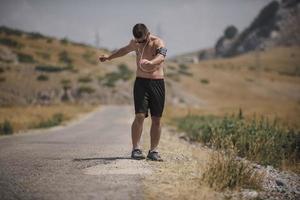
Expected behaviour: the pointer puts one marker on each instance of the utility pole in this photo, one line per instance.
(97, 39)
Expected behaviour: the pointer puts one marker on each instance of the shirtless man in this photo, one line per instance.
(149, 87)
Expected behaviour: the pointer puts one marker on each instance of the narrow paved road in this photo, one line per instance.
(84, 160)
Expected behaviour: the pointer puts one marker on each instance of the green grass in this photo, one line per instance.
(10, 43)
(85, 89)
(85, 79)
(25, 58)
(55, 120)
(64, 57)
(6, 128)
(204, 81)
(256, 139)
(110, 79)
(42, 77)
(51, 68)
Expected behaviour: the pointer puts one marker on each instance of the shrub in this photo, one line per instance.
(258, 140)
(230, 32)
(1, 70)
(204, 81)
(183, 69)
(64, 57)
(85, 89)
(10, 31)
(2, 79)
(42, 77)
(6, 128)
(49, 40)
(110, 79)
(90, 57)
(85, 79)
(64, 41)
(125, 72)
(36, 35)
(25, 58)
(43, 55)
(55, 120)
(10, 43)
(52, 69)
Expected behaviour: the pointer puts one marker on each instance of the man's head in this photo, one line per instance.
(140, 33)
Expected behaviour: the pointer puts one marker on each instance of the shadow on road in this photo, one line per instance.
(103, 158)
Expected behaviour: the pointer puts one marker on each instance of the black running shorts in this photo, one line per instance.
(149, 94)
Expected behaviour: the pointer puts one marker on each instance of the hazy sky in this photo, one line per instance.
(185, 25)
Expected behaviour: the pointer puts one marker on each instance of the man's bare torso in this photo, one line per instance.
(149, 54)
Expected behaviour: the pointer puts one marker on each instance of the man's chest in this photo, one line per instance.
(149, 50)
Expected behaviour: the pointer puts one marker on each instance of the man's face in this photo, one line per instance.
(143, 39)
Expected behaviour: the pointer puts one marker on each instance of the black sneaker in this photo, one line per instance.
(137, 154)
(154, 156)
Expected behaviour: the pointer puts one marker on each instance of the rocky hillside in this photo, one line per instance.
(277, 24)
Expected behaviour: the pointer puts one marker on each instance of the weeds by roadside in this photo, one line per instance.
(256, 139)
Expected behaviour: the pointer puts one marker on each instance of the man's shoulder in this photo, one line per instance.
(157, 41)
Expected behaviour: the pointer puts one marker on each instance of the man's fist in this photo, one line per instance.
(145, 62)
(103, 58)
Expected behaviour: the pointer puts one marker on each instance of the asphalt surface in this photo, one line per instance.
(77, 161)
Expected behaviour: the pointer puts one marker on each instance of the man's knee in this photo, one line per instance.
(156, 121)
(139, 118)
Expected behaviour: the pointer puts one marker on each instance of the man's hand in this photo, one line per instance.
(103, 58)
(145, 62)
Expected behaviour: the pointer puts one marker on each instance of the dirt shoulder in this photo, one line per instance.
(178, 177)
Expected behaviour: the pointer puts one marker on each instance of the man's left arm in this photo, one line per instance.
(152, 65)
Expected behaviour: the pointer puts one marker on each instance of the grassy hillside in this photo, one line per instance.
(37, 68)
(45, 81)
(266, 84)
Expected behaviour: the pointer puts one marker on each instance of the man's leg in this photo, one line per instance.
(155, 132)
(136, 130)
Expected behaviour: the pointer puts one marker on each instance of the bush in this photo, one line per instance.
(2, 79)
(183, 69)
(43, 55)
(64, 57)
(55, 120)
(258, 140)
(90, 57)
(85, 79)
(204, 81)
(10, 43)
(10, 31)
(52, 69)
(230, 32)
(110, 79)
(36, 35)
(6, 128)
(64, 41)
(1, 70)
(49, 40)
(42, 77)
(25, 58)
(85, 89)
(125, 72)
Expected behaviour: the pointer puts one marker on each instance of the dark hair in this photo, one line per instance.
(139, 30)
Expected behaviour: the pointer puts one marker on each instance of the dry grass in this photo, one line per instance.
(225, 171)
(179, 176)
(233, 84)
(25, 117)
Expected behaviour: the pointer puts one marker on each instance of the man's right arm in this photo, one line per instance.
(120, 52)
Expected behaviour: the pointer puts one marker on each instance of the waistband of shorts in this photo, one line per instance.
(149, 79)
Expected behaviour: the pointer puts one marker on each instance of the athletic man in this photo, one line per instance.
(149, 87)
